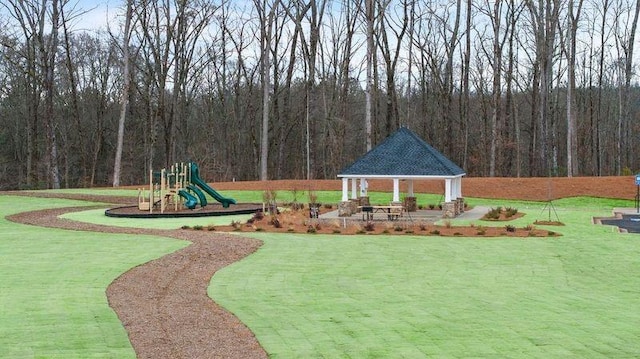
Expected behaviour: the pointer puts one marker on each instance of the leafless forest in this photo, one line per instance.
(277, 89)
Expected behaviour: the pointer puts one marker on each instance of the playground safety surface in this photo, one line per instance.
(163, 304)
(210, 210)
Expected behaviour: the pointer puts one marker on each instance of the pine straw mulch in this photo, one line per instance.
(291, 221)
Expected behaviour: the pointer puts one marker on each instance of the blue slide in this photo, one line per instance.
(191, 201)
(195, 179)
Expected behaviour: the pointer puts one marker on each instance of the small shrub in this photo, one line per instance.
(313, 197)
(420, 207)
(328, 206)
(423, 226)
(435, 232)
(211, 228)
(529, 227)
(531, 234)
(369, 226)
(311, 229)
(457, 234)
(258, 215)
(398, 228)
(296, 206)
(197, 227)
(290, 229)
(259, 229)
(510, 228)
(447, 223)
(510, 212)
(361, 232)
(432, 206)
(269, 196)
(385, 231)
(481, 231)
(336, 231)
(275, 222)
(493, 214)
(409, 231)
(236, 225)
(551, 233)
(185, 227)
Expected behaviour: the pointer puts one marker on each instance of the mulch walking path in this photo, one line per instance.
(164, 306)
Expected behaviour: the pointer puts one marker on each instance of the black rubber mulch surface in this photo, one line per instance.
(630, 222)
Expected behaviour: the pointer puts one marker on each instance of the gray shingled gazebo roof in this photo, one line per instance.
(403, 156)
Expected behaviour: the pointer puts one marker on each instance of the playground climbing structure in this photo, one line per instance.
(179, 186)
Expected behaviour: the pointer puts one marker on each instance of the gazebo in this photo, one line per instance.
(403, 156)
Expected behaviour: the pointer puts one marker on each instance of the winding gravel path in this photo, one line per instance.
(163, 304)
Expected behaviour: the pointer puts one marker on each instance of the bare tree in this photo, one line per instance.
(391, 56)
(544, 19)
(266, 15)
(369, 21)
(124, 99)
(33, 18)
(626, 40)
(570, 50)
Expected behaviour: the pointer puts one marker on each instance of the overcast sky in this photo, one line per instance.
(98, 13)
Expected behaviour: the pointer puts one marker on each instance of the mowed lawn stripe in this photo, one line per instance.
(400, 296)
(52, 285)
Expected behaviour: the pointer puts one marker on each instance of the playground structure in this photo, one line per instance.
(177, 187)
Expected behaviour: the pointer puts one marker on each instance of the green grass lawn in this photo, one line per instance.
(306, 296)
(576, 296)
(52, 286)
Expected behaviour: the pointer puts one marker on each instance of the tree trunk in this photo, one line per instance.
(124, 100)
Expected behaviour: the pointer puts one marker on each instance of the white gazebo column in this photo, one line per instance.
(345, 189)
(364, 194)
(410, 202)
(447, 190)
(345, 207)
(396, 190)
(459, 199)
(450, 207)
(454, 189)
(354, 188)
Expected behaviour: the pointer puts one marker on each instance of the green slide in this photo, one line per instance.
(201, 197)
(195, 179)
(191, 201)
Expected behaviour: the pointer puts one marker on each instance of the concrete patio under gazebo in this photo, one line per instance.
(403, 156)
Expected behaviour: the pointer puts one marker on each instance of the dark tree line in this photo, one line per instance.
(300, 88)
